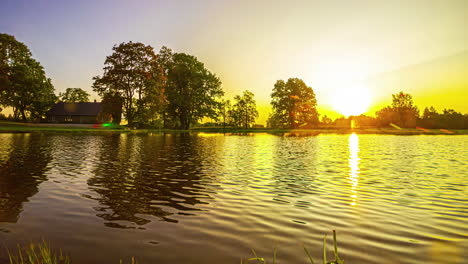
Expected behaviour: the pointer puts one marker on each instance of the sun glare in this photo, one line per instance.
(353, 100)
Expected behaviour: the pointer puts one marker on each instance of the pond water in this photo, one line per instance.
(211, 198)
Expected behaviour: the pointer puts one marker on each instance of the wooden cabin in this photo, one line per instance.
(75, 113)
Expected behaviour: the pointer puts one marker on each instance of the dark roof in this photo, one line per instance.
(75, 109)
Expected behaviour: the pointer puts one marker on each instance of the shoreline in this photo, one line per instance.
(14, 127)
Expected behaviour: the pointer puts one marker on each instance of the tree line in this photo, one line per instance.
(175, 90)
(403, 113)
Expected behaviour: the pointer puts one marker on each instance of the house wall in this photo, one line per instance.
(72, 119)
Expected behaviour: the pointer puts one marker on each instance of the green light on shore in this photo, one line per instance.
(106, 124)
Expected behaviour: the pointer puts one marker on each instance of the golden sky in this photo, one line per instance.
(340, 48)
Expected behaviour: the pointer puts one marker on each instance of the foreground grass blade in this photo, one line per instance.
(337, 258)
(274, 254)
(42, 254)
(257, 258)
(37, 254)
(308, 254)
(325, 250)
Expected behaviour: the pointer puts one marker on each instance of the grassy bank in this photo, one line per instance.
(42, 253)
(16, 127)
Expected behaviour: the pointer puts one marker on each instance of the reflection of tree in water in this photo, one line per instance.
(21, 171)
(297, 153)
(148, 175)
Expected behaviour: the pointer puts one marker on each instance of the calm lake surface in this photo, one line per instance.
(210, 198)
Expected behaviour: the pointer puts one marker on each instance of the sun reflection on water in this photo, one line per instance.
(354, 166)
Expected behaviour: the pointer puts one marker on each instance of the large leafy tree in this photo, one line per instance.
(112, 107)
(244, 111)
(224, 112)
(402, 112)
(74, 95)
(407, 112)
(166, 60)
(449, 118)
(294, 104)
(23, 82)
(12, 52)
(192, 91)
(133, 73)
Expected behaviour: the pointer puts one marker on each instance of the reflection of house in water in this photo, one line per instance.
(21, 172)
(78, 113)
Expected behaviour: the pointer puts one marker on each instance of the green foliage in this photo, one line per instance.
(224, 112)
(74, 95)
(402, 112)
(134, 73)
(23, 82)
(12, 52)
(192, 91)
(112, 106)
(41, 253)
(326, 120)
(294, 105)
(449, 118)
(244, 111)
(363, 121)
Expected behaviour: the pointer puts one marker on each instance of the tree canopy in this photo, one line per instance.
(134, 73)
(224, 112)
(294, 105)
(112, 107)
(244, 111)
(23, 82)
(74, 95)
(175, 90)
(192, 91)
(402, 112)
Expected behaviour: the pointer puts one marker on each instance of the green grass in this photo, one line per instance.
(41, 253)
(16, 127)
(37, 254)
(337, 260)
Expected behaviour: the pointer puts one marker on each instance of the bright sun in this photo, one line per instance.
(353, 100)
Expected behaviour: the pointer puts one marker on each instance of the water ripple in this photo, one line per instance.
(393, 199)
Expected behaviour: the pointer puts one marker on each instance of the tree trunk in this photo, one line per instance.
(23, 115)
(182, 121)
(129, 114)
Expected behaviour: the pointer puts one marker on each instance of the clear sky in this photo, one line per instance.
(340, 48)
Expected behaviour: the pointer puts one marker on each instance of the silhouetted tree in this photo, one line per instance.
(12, 52)
(135, 74)
(192, 91)
(363, 121)
(112, 105)
(407, 112)
(294, 104)
(74, 95)
(23, 82)
(244, 111)
(429, 118)
(452, 119)
(326, 120)
(402, 112)
(224, 112)
(166, 60)
(449, 118)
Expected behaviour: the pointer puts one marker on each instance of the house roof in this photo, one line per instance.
(75, 109)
